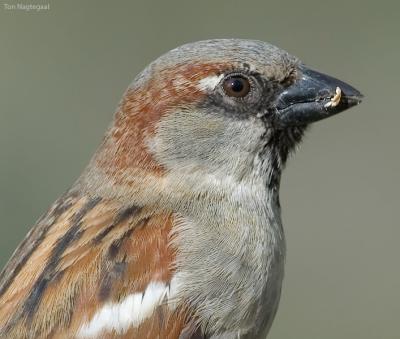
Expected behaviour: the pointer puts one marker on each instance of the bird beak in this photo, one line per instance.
(314, 96)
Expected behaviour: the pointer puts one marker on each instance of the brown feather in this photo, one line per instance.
(89, 251)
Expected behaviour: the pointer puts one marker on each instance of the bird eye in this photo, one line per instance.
(236, 86)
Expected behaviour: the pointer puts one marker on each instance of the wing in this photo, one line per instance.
(92, 268)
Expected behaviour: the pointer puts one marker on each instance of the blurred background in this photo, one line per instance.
(63, 71)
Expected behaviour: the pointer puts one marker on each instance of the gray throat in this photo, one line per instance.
(230, 261)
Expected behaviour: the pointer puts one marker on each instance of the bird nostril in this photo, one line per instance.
(324, 94)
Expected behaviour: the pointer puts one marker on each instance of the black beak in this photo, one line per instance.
(314, 96)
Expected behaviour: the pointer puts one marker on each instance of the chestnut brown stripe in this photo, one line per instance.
(118, 268)
(106, 285)
(115, 245)
(121, 217)
(49, 272)
(27, 247)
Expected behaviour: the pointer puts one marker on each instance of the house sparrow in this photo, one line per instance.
(174, 229)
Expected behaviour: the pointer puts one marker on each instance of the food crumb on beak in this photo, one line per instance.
(336, 99)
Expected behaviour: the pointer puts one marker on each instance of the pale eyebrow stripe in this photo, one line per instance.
(210, 82)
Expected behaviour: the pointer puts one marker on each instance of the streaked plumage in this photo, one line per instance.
(174, 229)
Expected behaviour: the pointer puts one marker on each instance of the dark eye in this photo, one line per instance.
(236, 86)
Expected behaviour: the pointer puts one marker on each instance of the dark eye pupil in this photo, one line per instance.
(236, 85)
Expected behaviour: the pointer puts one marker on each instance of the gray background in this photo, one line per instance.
(63, 71)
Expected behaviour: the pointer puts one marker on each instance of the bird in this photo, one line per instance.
(174, 228)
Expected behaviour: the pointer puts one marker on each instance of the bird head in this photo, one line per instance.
(221, 107)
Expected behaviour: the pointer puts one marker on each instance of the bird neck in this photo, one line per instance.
(230, 252)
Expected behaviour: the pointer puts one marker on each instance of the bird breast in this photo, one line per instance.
(230, 255)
